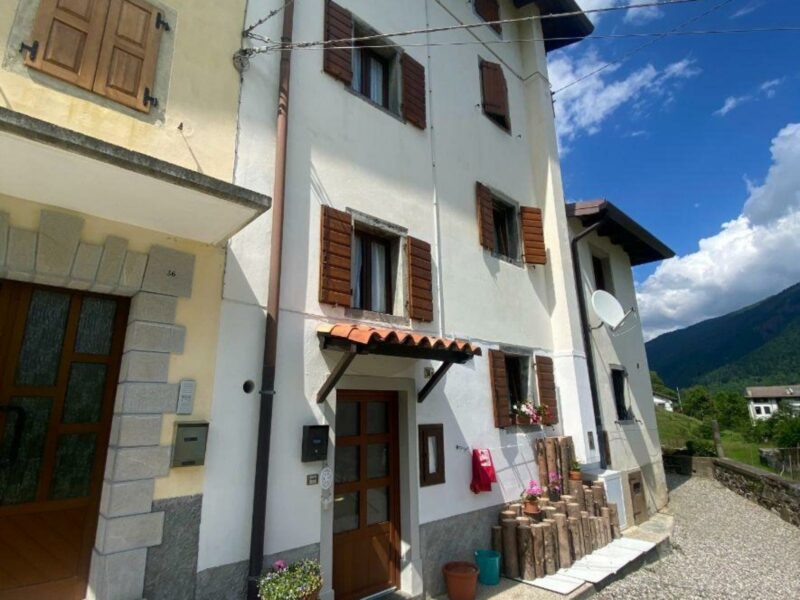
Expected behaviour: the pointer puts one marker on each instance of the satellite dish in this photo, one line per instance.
(608, 309)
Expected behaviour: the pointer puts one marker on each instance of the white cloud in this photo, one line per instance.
(582, 108)
(639, 16)
(747, 9)
(768, 89)
(749, 259)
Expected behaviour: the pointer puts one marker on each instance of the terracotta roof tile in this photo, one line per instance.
(364, 334)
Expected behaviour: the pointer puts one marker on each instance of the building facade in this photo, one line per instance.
(117, 134)
(428, 300)
(764, 401)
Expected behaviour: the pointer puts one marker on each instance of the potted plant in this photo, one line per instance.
(554, 486)
(301, 580)
(461, 579)
(526, 414)
(530, 498)
(575, 471)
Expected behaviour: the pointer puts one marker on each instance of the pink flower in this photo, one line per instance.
(279, 565)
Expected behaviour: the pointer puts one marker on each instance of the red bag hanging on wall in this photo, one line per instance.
(483, 475)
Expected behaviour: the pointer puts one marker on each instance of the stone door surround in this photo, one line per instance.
(55, 255)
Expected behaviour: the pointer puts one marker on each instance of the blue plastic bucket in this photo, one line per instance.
(488, 562)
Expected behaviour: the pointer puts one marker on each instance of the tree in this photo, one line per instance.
(697, 402)
(660, 388)
(730, 410)
(787, 432)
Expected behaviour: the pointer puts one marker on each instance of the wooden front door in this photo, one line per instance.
(59, 366)
(366, 507)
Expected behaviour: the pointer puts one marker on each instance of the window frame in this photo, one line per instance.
(619, 393)
(366, 56)
(509, 220)
(601, 264)
(365, 239)
(426, 476)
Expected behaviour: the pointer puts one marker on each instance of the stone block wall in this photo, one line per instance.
(767, 489)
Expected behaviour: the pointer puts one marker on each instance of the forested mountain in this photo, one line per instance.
(757, 345)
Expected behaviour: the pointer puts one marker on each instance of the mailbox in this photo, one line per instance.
(315, 443)
(189, 449)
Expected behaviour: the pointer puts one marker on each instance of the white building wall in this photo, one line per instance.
(634, 444)
(348, 154)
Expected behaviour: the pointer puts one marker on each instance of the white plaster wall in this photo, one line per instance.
(633, 444)
(345, 153)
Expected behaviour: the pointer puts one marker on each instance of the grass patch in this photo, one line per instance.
(676, 429)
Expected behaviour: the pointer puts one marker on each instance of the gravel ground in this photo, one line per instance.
(723, 547)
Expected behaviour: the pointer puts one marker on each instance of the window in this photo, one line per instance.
(372, 272)
(758, 410)
(371, 74)
(495, 94)
(489, 10)
(767, 410)
(517, 377)
(505, 229)
(431, 454)
(110, 48)
(618, 377)
(601, 268)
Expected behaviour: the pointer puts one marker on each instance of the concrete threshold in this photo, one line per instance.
(639, 546)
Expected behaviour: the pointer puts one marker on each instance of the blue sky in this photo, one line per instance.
(685, 136)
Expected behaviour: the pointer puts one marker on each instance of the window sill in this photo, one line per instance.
(380, 107)
(378, 317)
(507, 259)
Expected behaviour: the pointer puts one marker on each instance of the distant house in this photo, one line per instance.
(763, 401)
(663, 402)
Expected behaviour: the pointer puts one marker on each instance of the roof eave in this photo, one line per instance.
(575, 27)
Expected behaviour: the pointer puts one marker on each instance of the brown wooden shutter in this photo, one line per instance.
(413, 92)
(335, 256)
(500, 393)
(66, 39)
(495, 93)
(338, 26)
(485, 216)
(532, 235)
(420, 277)
(489, 10)
(126, 69)
(547, 389)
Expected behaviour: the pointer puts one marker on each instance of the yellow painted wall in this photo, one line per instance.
(203, 92)
(199, 314)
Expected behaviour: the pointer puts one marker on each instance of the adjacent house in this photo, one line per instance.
(663, 403)
(764, 401)
(195, 386)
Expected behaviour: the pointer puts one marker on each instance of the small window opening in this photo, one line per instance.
(374, 70)
(517, 376)
(618, 377)
(372, 272)
(505, 229)
(602, 274)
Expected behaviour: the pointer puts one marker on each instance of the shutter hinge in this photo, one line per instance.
(161, 23)
(32, 49)
(148, 99)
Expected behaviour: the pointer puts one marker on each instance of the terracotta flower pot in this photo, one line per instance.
(531, 507)
(461, 579)
(575, 475)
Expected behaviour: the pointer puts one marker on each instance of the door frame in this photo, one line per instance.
(16, 323)
(410, 581)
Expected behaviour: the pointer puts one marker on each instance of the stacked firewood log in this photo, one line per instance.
(568, 526)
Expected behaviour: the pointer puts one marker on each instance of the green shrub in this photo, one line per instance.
(701, 448)
(295, 582)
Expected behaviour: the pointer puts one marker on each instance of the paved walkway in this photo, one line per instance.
(724, 546)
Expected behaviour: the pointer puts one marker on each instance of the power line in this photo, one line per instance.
(460, 26)
(643, 46)
(271, 14)
(560, 38)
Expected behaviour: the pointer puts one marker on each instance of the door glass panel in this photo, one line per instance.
(40, 354)
(95, 326)
(347, 418)
(84, 398)
(377, 460)
(72, 475)
(377, 505)
(347, 464)
(377, 417)
(345, 512)
(19, 481)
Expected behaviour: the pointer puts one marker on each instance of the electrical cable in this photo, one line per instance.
(642, 46)
(788, 29)
(461, 26)
(271, 14)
